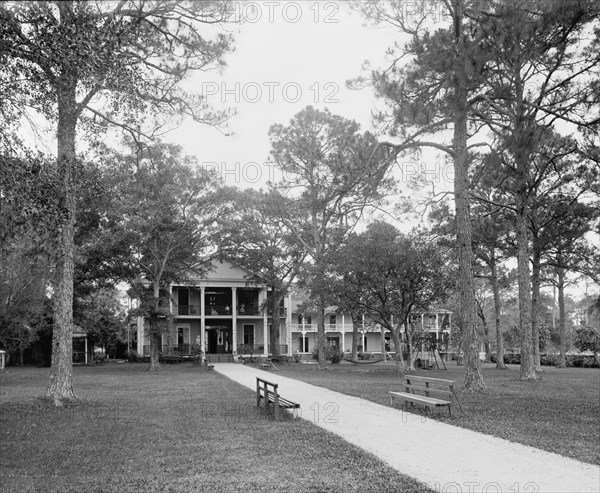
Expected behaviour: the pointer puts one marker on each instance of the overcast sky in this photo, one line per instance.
(287, 55)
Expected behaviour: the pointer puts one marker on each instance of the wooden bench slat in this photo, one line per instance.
(427, 379)
(284, 402)
(420, 398)
(431, 392)
(446, 393)
(263, 391)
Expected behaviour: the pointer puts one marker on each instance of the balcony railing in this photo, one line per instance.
(188, 310)
(328, 327)
(217, 310)
(248, 309)
(282, 311)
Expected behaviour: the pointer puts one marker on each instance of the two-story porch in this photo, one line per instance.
(339, 331)
(220, 315)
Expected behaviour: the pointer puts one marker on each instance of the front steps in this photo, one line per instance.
(220, 358)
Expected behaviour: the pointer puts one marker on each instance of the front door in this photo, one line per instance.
(219, 339)
(211, 342)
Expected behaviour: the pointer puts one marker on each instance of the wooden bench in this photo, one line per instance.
(171, 358)
(268, 391)
(267, 364)
(430, 392)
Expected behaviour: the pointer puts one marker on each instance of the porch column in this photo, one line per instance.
(343, 331)
(262, 301)
(362, 340)
(234, 321)
(86, 349)
(288, 324)
(202, 320)
(303, 334)
(141, 335)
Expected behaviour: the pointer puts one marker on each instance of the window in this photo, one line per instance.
(332, 320)
(304, 319)
(183, 335)
(248, 333)
(333, 343)
(303, 343)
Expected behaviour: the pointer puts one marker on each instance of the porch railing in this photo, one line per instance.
(164, 349)
(282, 311)
(188, 309)
(328, 328)
(250, 348)
(176, 348)
(248, 309)
(283, 349)
(218, 310)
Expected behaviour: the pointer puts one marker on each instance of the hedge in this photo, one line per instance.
(572, 360)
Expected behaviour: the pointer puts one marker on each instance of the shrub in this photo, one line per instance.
(512, 359)
(331, 354)
(99, 358)
(132, 356)
(549, 359)
(572, 360)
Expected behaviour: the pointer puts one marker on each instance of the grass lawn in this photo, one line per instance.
(559, 413)
(180, 430)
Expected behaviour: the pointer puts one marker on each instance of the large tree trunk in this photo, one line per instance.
(527, 361)
(486, 333)
(355, 339)
(473, 375)
(562, 326)
(155, 335)
(321, 335)
(411, 353)
(535, 306)
(60, 387)
(154, 349)
(398, 346)
(499, 336)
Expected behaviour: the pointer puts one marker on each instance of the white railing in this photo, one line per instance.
(328, 327)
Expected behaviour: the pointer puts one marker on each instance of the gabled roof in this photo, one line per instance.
(223, 271)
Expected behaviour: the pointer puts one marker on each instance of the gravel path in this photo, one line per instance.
(444, 457)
